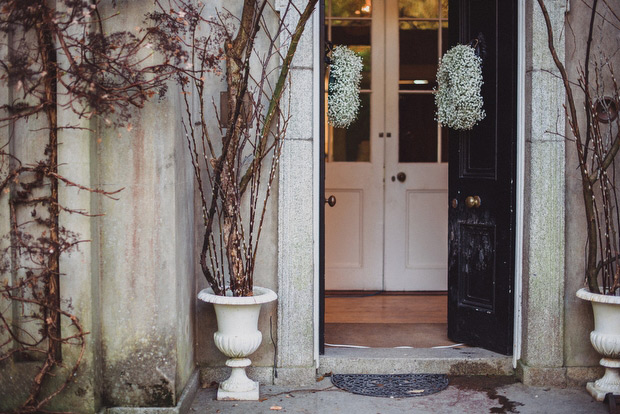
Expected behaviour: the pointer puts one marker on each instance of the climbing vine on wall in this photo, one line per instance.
(55, 57)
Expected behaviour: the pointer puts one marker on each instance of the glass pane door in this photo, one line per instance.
(349, 22)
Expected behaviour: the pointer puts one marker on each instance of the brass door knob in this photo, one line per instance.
(331, 200)
(473, 202)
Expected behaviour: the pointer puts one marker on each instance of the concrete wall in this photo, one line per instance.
(146, 251)
(578, 313)
(26, 140)
(134, 285)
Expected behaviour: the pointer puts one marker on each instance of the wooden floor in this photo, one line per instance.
(387, 321)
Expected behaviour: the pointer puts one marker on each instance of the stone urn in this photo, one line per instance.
(237, 337)
(606, 340)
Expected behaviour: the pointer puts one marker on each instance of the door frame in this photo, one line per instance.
(520, 190)
(319, 183)
(318, 75)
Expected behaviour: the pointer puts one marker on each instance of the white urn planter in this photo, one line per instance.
(606, 340)
(237, 337)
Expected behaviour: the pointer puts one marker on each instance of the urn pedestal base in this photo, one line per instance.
(610, 382)
(238, 386)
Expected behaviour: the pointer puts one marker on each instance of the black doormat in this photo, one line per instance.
(395, 385)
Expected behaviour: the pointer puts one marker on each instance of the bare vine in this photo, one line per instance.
(56, 57)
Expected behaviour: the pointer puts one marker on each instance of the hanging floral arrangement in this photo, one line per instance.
(345, 74)
(459, 81)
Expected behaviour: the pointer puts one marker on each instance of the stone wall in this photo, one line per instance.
(578, 313)
(133, 285)
(543, 250)
(556, 325)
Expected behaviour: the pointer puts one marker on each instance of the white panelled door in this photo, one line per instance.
(388, 229)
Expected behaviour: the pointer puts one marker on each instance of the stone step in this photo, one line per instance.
(452, 361)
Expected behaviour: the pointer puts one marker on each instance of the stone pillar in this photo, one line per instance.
(542, 358)
(295, 356)
(146, 250)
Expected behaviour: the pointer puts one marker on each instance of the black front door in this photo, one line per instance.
(482, 185)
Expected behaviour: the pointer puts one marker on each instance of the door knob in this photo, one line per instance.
(473, 202)
(331, 200)
(401, 176)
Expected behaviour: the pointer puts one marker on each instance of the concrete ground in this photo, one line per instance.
(464, 395)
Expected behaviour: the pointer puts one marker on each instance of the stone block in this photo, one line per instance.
(296, 256)
(542, 376)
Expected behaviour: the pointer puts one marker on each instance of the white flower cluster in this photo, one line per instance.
(459, 80)
(345, 74)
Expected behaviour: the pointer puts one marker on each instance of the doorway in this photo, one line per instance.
(388, 171)
(387, 233)
(393, 223)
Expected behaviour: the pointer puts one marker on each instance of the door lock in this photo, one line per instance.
(473, 202)
(331, 200)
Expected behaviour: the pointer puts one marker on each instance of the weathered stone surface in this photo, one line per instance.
(579, 376)
(296, 262)
(146, 253)
(464, 361)
(539, 376)
(578, 313)
(183, 406)
(544, 237)
(299, 100)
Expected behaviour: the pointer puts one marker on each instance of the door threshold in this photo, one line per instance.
(451, 361)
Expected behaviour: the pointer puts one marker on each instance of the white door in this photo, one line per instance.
(355, 158)
(416, 208)
(388, 229)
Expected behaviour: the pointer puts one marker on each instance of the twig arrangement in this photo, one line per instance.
(597, 146)
(236, 165)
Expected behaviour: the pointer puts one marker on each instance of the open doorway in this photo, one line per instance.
(415, 218)
(386, 237)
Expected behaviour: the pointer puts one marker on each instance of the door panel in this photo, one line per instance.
(482, 164)
(350, 219)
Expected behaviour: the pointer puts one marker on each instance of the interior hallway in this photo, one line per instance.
(386, 320)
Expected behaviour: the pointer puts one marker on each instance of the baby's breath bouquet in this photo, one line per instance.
(343, 92)
(459, 80)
